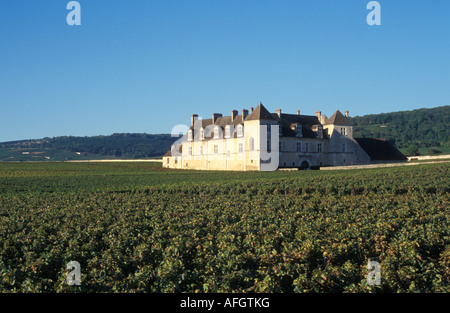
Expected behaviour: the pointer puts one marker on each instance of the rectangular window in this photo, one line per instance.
(201, 150)
(343, 147)
(298, 130)
(241, 148)
(216, 149)
(227, 132)
(269, 146)
(240, 130)
(306, 147)
(299, 147)
(279, 146)
(216, 132)
(189, 150)
(319, 147)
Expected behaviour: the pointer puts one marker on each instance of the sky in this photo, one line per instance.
(144, 66)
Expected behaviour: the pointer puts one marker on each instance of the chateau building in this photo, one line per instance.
(259, 140)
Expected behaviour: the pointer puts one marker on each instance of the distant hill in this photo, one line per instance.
(424, 131)
(123, 146)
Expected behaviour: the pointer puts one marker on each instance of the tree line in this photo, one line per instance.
(123, 145)
(408, 130)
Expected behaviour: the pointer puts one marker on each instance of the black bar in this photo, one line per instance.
(221, 302)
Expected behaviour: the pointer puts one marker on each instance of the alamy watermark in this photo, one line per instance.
(74, 16)
(73, 277)
(374, 16)
(374, 275)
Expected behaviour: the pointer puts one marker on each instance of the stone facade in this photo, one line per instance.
(259, 140)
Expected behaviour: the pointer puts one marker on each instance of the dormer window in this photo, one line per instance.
(240, 130)
(227, 131)
(190, 135)
(298, 131)
(202, 134)
(216, 132)
(320, 132)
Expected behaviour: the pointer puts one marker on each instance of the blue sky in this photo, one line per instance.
(146, 66)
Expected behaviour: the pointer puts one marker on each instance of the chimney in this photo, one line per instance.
(279, 112)
(298, 112)
(215, 116)
(346, 114)
(194, 118)
(251, 110)
(318, 114)
(245, 113)
(233, 115)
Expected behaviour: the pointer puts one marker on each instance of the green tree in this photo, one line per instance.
(434, 150)
(412, 150)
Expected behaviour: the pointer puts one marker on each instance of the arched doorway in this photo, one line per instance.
(304, 165)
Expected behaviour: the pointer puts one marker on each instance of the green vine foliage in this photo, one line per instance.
(139, 228)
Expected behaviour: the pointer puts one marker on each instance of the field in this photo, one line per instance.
(24, 154)
(135, 227)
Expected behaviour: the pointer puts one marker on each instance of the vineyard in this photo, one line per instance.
(135, 227)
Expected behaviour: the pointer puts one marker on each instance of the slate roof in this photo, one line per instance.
(259, 113)
(209, 127)
(338, 119)
(289, 120)
(380, 149)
